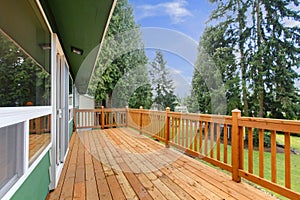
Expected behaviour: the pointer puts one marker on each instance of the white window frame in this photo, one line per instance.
(14, 115)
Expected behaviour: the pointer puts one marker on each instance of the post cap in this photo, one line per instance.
(236, 111)
(141, 107)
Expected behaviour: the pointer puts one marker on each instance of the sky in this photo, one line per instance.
(174, 26)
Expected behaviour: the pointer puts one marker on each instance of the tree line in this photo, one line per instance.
(256, 53)
(246, 60)
(124, 76)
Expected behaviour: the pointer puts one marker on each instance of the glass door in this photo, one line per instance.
(62, 88)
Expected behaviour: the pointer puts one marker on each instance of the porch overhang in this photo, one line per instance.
(81, 27)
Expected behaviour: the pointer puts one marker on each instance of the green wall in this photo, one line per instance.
(36, 185)
(71, 129)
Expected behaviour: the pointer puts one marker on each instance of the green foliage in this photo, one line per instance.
(266, 53)
(142, 96)
(215, 81)
(162, 85)
(122, 52)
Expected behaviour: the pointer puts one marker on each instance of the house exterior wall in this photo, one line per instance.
(36, 185)
(86, 102)
(71, 123)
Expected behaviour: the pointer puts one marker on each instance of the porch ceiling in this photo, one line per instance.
(79, 24)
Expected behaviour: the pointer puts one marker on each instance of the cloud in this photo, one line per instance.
(175, 9)
(176, 71)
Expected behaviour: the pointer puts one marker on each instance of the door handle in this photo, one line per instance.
(59, 113)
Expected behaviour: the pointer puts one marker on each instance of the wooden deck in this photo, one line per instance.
(121, 164)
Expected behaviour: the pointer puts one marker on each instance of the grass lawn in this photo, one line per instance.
(295, 141)
(295, 166)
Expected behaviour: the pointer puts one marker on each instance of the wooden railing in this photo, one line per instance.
(40, 125)
(99, 118)
(263, 126)
(149, 122)
(224, 141)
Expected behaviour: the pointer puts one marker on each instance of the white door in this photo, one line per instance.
(59, 99)
(62, 89)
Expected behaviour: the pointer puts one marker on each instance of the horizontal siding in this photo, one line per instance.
(36, 185)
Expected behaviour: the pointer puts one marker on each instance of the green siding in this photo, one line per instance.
(36, 185)
(71, 128)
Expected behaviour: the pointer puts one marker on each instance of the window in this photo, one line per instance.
(23, 82)
(11, 155)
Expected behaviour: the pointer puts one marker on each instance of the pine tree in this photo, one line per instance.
(215, 79)
(234, 13)
(162, 85)
(269, 53)
(275, 56)
(122, 51)
(133, 89)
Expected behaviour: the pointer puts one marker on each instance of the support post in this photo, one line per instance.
(141, 119)
(102, 117)
(235, 154)
(167, 127)
(75, 119)
(126, 116)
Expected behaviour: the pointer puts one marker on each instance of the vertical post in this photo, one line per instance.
(141, 119)
(75, 119)
(126, 115)
(38, 127)
(167, 127)
(102, 117)
(287, 159)
(235, 154)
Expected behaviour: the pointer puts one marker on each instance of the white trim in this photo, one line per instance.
(44, 15)
(26, 145)
(58, 172)
(54, 41)
(18, 184)
(14, 115)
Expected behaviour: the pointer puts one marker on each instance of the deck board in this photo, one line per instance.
(122, 164)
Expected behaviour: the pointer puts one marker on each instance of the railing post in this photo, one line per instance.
(167, 127)
(141, 119)
(102, 117)
(75, 119)
(235, 154)
(126, 116)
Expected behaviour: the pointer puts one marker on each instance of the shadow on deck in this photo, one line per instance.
(121, 164)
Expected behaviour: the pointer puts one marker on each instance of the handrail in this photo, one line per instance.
(224, 141)
(99, 118)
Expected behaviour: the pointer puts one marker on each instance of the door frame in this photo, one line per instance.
(59, 125)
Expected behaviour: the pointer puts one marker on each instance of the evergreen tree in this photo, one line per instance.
(162, 85)
(141, 97)
(215, 79)
(234, 13)
(133, 89)
(268, 53)
(122, 51)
